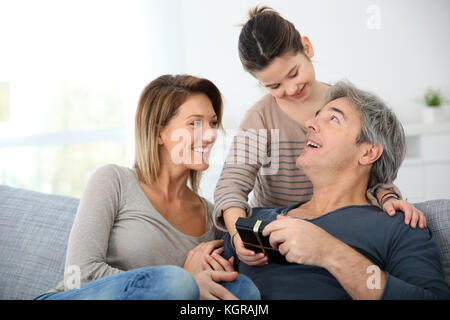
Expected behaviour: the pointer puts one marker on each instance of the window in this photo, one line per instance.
(67, 71)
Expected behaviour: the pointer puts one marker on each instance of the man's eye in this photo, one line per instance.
(333, 118)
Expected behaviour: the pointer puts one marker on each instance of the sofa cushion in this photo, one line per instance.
(35, 228)
(34, 231)
(437, 213)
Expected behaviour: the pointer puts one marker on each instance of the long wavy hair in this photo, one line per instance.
(158, 103)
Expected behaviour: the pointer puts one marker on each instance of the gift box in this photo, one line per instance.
(250, 231)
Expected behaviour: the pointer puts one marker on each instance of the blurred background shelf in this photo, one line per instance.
(425, 173)
(417, 129)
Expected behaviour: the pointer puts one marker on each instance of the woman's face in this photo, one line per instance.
(289, 77)
(189, 136)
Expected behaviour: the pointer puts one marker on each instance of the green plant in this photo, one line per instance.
(433, 98)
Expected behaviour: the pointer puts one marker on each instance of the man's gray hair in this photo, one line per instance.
(378, 125)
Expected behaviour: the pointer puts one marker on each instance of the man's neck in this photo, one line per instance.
(328, 197)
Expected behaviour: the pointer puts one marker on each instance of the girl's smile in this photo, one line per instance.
(300, 93)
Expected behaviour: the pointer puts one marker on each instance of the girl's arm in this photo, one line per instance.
(389, 198)
(239, 172)
(238, 178)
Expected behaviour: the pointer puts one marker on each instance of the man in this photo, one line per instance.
(339, 246)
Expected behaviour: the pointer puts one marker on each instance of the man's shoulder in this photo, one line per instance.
(375, 219)
(362, 211)
(370, 214)
(266, 213)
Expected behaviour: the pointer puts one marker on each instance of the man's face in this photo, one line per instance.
(331, 139)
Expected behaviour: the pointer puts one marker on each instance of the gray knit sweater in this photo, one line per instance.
(116, 228)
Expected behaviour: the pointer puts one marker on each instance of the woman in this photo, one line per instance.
(142, 233)
(274, 52)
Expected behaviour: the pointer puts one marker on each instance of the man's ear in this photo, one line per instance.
(371, 153)
(308, 49)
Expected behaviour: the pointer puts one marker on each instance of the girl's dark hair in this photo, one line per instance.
(265, 36)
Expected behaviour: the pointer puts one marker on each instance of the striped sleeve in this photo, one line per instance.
(371, 193)
(244, 160)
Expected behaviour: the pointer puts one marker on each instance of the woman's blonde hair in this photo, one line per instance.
(158, 103)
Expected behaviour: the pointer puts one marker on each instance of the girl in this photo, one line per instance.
(142, 233)
(274, 52)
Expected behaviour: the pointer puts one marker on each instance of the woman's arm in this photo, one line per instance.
(89, 237)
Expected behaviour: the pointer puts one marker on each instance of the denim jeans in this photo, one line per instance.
(150, 283)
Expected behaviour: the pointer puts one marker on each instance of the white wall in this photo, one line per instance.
(407, 54)
(398, 61)
(138, 40)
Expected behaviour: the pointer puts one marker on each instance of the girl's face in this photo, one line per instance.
(189, 136)
(289, 77)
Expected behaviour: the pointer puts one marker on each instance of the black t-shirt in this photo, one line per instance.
(409, 257)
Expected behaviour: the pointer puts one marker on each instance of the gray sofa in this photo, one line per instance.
(35, 227)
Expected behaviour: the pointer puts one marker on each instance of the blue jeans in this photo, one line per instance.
(150, 283)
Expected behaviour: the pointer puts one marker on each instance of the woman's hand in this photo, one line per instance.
(196, 256)
(207, 279)
(413, 216)
(248, 256)
(215, 262)
(210, 289)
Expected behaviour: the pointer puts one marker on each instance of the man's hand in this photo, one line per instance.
(210, 289)
(299, 241)
(305, 243)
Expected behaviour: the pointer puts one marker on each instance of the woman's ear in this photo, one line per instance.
(160, 131)
(308, 49)
(371, 154)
